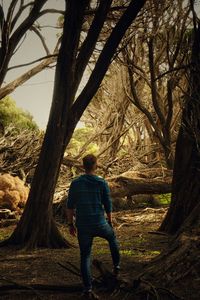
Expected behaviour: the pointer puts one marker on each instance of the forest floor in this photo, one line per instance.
(139, 243)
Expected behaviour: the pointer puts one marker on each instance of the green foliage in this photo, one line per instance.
(60, 21)
(10, 114)
(80, 137)
(164, 199)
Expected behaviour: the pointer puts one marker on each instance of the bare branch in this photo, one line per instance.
(10, 87)
(88, 12)
(18, 14)
(33, 62)
(51, 11)
(10, 46)
(123, 133)
(42, 39)
(105, 57)
(20, 44)
(173, 70)
(89, 43)
(112, 9)
(153, 82)
(11, 11)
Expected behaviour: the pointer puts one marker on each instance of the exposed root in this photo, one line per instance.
(138, 288)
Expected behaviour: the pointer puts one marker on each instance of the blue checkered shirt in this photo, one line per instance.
(89, 195)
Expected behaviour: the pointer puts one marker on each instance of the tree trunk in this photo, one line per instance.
(37, 227)
(177, 268)
(185, 186)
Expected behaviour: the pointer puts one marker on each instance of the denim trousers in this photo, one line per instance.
(85, 239)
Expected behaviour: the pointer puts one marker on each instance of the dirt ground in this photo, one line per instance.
(139, 244)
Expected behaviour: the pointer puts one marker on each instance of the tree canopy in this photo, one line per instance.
(11, 115)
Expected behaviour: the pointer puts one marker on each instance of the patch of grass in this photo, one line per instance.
(139, 241)
(101, 251)
(155, 252)
(164, 199)
(5, 233)
(127, 252)
(123, 252)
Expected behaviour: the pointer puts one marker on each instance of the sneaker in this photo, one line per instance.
(116, 270)
(90, 295)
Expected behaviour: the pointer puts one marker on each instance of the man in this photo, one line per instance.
(89, 199)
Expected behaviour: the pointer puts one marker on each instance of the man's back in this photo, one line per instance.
(89, 195)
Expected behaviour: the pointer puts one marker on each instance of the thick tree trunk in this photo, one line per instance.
(179, 264)
(185, 187)
(37, 227)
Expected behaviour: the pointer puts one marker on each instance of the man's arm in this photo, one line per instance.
(71, 203)
(70, 215)
(107, 202)
(109, 216)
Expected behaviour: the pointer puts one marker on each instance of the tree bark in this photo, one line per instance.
(37, 227)
(185, 186)
(178, 266)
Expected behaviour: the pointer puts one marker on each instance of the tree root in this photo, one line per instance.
(138, 288)
(15, 285)
(34, 288)
(72, 268)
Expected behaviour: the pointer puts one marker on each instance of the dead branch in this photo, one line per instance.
(33, 62)
(42, 39)
(19, 153)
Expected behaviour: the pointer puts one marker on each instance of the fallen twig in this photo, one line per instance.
(74, 272)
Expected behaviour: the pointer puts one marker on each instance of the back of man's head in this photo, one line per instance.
(90, 163)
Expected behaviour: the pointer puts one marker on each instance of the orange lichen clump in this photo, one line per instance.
(13, 192)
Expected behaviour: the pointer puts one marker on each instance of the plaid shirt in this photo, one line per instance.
(90, 196)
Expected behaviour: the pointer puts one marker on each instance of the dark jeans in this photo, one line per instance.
(85, 239)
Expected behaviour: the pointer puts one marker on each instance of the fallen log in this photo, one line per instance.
(128, 184)
(133, 183)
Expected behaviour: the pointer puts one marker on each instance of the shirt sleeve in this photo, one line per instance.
(106, 199)
(71, 199)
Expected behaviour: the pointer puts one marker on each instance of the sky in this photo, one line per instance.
(35, 95)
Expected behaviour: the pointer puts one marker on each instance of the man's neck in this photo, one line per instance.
(90, 173)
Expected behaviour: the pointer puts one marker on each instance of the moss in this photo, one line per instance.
(164, 199)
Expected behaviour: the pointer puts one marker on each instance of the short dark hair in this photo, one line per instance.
(89, 161)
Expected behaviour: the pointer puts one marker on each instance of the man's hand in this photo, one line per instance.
(109, 219)
(110, 223)
(72, 230)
